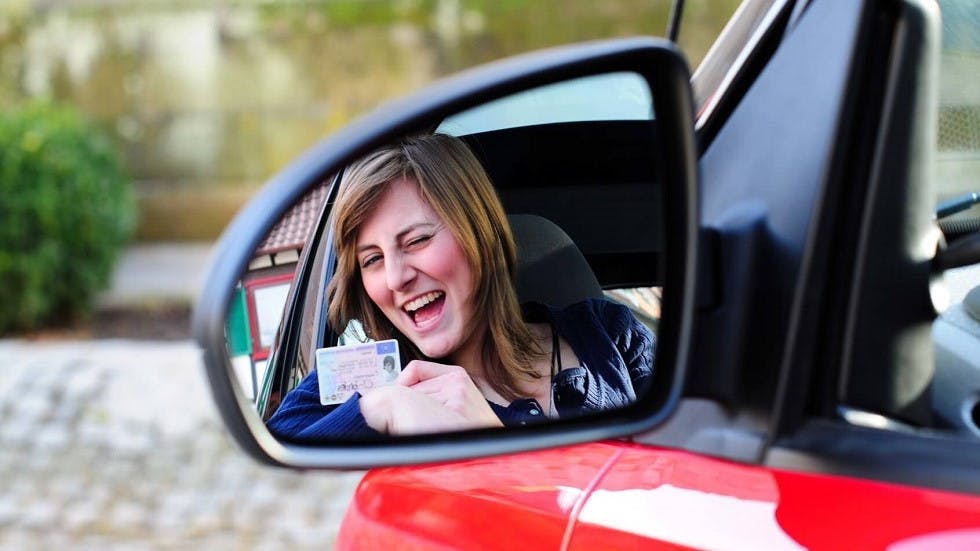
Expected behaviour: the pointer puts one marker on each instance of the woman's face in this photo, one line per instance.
(416, 273)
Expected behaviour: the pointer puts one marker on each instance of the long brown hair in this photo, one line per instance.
(452, 181)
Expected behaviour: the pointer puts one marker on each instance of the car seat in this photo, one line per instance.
(550, 267)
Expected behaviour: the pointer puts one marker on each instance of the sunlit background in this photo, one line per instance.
(207, 99)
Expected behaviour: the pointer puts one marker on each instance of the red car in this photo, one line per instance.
(776, 227)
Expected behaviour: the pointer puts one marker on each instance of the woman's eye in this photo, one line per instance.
(368, 261)
(418, 240)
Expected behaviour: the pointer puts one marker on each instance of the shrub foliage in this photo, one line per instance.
(66, 210)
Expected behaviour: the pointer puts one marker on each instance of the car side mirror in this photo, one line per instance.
(596, 140)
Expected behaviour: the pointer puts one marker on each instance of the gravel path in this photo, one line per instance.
(116, 444)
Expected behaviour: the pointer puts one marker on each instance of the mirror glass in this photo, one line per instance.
(497, 268)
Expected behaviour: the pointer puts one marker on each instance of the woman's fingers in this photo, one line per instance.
(403, 410)
(439, 380)
(454, 381)
(419, 370)
(451, 386)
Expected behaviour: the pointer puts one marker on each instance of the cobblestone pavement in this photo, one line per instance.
(117, 445)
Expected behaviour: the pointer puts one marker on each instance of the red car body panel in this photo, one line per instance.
(522, 501)
(617, 495)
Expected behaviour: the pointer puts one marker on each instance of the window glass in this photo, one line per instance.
(956, 334)
(957, 171)
(958, 146)
(614, 96)
(644, 302)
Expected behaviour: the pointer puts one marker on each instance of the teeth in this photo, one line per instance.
(422, 301)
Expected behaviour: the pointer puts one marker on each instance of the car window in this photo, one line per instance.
(644, 302)
(614, 96)
(957, 170)
(264, 290)
(958, 143)
(956, 333)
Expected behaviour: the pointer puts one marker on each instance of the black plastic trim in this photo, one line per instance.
(887, 361)
(886, 340)
(810, 362)
(763, 176)
(938, 460)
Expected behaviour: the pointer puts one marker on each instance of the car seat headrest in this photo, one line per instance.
(550, 267)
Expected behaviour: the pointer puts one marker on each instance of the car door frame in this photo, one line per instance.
(803, 407)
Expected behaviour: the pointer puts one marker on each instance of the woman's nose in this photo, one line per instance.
(398, 272)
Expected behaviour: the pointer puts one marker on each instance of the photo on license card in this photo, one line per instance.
(344, 370)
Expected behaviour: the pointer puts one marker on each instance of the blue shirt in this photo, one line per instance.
(616, 352)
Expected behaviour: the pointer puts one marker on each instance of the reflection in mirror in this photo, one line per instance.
(259, 300)
(497, 268)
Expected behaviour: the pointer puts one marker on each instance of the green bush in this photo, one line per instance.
(66, 210)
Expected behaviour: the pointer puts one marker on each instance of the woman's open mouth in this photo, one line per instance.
(426, 307)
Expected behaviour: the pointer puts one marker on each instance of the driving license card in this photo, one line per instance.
(344, 370)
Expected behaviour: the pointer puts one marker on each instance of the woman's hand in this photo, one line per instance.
(428, 397)
(451, 387)
(401, 410)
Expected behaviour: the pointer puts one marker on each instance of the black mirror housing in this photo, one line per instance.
(662, 67)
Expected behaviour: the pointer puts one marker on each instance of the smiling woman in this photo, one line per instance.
(425, 256)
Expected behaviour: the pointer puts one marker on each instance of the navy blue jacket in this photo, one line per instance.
(615, 349)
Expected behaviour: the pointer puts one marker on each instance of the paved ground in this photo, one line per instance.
(116, 445)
